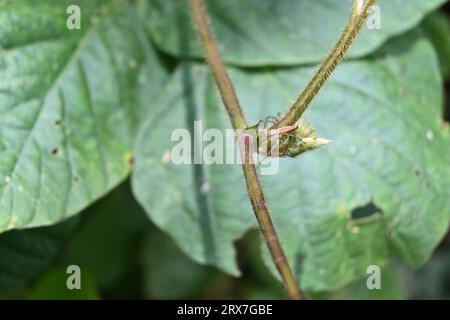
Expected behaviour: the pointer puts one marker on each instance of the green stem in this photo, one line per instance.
(238, 121)
(358, 17)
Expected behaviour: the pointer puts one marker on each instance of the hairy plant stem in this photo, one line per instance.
(238, 121)
(358, 16)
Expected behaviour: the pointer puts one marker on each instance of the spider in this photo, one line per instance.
(286, 136)
(291, 141)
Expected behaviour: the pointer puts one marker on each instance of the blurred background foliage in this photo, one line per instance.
(130, 258)
(133, 259)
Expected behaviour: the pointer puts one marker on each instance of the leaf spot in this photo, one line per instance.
(129, 159)
(166, 156)
(355, 229)
(132, 64)
(205, 187)
(430, 135)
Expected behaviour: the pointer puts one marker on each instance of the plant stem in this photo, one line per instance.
(238, 121)
(220, 74)
(358, 16)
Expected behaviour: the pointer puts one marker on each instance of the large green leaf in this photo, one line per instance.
(203, 208)
(282, 32)
(26, 253)
(381, 189)
(388, 153)
(70, 103)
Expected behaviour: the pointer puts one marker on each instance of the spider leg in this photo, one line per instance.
(260, 162)
(296, 138)
(256, 126)
(260, 122)
(270, 120)
(289, 153)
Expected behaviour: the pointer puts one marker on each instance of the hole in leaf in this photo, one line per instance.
(366, 211)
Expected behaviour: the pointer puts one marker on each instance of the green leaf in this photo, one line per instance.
(70, 103)
(387, 157)
(282, 32)
(204, 208)
(383, 114)
(437, 28)
(25, 254)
